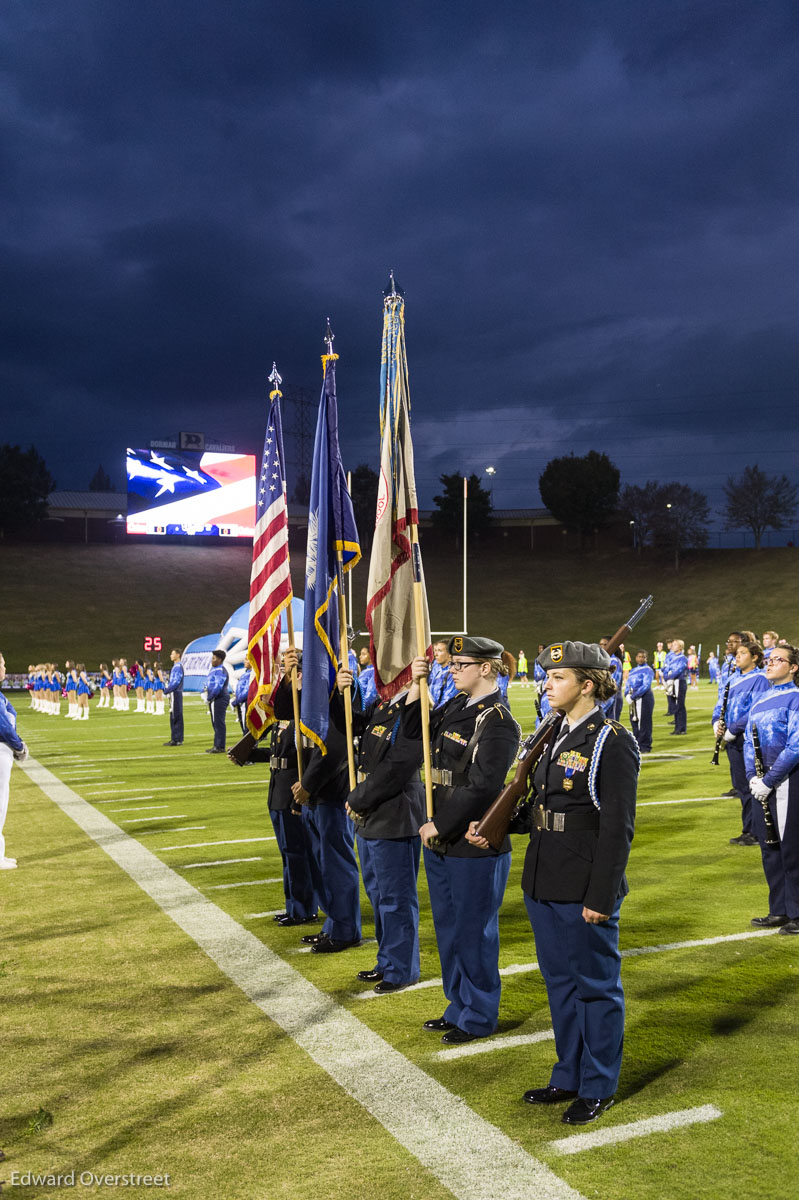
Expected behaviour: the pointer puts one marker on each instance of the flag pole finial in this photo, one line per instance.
(392, 289)
(275, 379)
(329, 337)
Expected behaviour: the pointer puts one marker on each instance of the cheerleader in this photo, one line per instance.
(140, 684)
(157, 691)
(123, 666)
(105, 687)
(84, 690)
(116, 683)
(149, 680)
(30, 686)
(71, 689)
(56, 684)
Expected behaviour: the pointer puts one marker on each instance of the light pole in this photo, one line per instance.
(491, 472)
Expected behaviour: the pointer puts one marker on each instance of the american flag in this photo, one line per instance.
(270, 579)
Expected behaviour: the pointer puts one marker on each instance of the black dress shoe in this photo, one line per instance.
(170, 743)
(215, 750)
(279, 916)
(374, 976)
(329, 945)
(733, 793)
(548, 1095)
(385, 986)
(747, 839)
(311, 939)
(284, 920)
(791, 926)
(459, 1037)
(772, 921)
(438, 1025)
(586, 1109)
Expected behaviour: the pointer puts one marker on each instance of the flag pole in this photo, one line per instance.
(349, 573)
(275, 379)
(342, 608)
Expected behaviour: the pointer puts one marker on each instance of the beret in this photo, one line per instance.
(588, 655)
(478, 647)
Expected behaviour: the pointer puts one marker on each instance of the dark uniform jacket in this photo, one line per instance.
(479, 767)
(278, 747)
(585, 866)
(389, 796)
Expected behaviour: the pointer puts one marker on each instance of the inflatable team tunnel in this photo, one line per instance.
(233, 640)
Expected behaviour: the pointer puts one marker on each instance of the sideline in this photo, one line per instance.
(614, 1134)
(438, 1128)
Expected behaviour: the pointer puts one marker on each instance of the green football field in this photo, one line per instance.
(156, 1022)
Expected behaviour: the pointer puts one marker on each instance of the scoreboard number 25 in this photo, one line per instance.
(152, 643)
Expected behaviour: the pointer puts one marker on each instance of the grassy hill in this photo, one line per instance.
(95, 602)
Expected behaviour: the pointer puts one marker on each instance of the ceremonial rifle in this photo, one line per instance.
(714, 762)
(772, 833)
(493, 826)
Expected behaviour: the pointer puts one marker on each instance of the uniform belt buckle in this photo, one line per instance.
(558, 822)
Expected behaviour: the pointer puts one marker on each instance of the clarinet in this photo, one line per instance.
(714, 762)
(772, 834)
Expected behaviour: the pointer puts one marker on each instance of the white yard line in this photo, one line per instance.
(439, 1129)
(610, 1135)
(257, 916)
(687, 800)
(219, 887)
(227, 842)
(177, 829)
(144, 808)
(140, 820)
(127, 799)
(219, 862)
(485, 1045)
(189, 787)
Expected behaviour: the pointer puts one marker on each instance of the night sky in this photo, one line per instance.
(591, 207)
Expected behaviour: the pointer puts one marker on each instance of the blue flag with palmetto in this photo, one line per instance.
(331, 528)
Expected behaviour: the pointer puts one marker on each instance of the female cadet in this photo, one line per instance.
(774, 718)
(746, 685)
(573, 878)
(474, 740)
(387, 808)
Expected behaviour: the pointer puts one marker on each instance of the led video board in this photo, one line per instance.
(191, 493)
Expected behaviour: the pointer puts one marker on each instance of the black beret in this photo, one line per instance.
(587, 655)
(477, 647)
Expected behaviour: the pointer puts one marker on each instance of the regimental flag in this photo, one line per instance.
(270, 578)
(395, 563)
(331, 527)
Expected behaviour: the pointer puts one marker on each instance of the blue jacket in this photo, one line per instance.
(367, 686)
(617, 669)
(217, 683)
(8, 725)
(675, 666)
(639, 681)
(243, 686)
(441, 683)
(744, 691)
(175, 683)
(776, 714)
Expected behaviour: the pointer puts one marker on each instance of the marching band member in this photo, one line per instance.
(675, 672)
(240, 697)
(474, 740)
(573, 879)
(217, 689)
(387, 808)
(642, 701)
(774, 784)
(174, 689)
(441, 683)
(746, 686)
(12, 749)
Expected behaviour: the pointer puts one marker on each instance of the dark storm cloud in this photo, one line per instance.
(592, 208)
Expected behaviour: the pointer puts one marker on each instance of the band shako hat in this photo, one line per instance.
(475, 647)
(586, 655)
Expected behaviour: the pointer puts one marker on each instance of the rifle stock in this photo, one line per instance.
(493, 825)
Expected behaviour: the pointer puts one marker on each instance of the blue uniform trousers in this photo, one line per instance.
(642, 728)
(218, 710)
(334, 869)
(581, 965)
(293, 842)
(465, 896)
(618, 702)
(781, 863)
(176, 717)
(680, 715)
(735, 755)
(389, 867)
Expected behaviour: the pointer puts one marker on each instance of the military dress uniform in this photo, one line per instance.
(389, 805)
(583, 819)
(473, 743)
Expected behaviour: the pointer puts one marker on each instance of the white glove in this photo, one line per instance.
(21, 755)
(729, 736)
(717, 725)
(204, 696)
(758, 788)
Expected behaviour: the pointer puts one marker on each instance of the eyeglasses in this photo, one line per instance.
(458, 666)
(771, 659)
